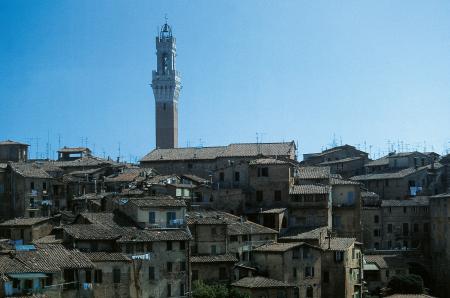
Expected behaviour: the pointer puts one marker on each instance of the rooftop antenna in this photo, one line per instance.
(47, 147)
(118, 157)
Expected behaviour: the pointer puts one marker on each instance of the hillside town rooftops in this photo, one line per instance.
(384, 261)
(414, 201)
(260, 282)
(277, 247)
(214, 259)
(236, 225)
(107, 257)
(156, 201)
(308, 235)
(268, 161)
(338, 244)
(232, 150)
(90, 232)
(394, 174)
(9, 142)
(307, 189)
(24, 221)
(343, 160)
(155, 235)
(29, 170)
(310, 172)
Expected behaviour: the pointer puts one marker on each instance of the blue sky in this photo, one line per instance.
(366, 72)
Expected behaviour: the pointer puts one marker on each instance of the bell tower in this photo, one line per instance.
(166, 85)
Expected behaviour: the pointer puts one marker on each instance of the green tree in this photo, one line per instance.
(406, 284)
(202, 290)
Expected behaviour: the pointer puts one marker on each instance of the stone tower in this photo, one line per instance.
(166, 88)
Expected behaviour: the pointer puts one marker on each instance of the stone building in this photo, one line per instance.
(50, 270)
(205, 161)
(341, 261)
(379, 268)
(297, 264)
(66, 153)
(341, 268)
(397, 224)
(13, 151)
(242, 235)
(154, 211)
(440, 242)
(347, 205)
(345, 160)
(26, 230)
(403, 175)
(160, 257)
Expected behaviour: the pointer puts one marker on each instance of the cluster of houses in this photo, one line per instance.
(249, 216)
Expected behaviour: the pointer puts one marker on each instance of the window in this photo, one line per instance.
(116, 275)
(182, 289)
(182, 245)
(151, 217)
(259, 195)
(237, 176)
(309, 292)
(405, 229)
(426, 227)
(387, 273)
(295, 254)
(305, 252)
(309, 271)
(376, 219)
(389, 244)
(404, 209)
(169, 245)
(386, 182)
(98, 276)
(182, 266)
(213, 250)
(169, 266)
(49, 279)
(213, 231)
(149, 247)
(389, 228)
(376, 233)
(376, 245)
(416, 228)
(88, 276)
(32, 185)
(171, 215)
(221, 176)
(326, 276)
(44, 185)
(222, 273)
(233, 238)
(294, 272)
(339, 256)
(265, 172)
(277, 195)
(169, 290)
(194, 274)
(151, 273)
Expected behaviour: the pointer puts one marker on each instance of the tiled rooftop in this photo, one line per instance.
(309, 189)
(232, 150)
(259, 282)
(214, 258)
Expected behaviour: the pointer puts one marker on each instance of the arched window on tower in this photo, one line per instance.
(165, 64)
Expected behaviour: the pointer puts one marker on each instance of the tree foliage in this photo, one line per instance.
(406, 284)
(202, 290)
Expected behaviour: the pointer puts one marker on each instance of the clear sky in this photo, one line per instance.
(362, 71)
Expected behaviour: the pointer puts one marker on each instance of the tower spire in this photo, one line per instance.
(166, 85)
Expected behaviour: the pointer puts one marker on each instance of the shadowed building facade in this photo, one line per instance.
(166, 89)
